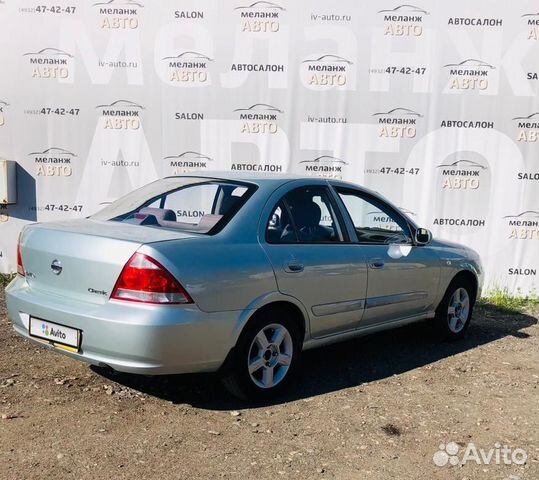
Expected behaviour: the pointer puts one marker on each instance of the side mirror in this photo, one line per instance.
(422, 236)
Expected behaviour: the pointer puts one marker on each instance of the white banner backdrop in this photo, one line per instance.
(434, 104)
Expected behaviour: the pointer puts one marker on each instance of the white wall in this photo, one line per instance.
(434, 106)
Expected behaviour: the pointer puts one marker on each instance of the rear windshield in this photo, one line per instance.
(190, 204)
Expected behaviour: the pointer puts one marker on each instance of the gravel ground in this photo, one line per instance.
(377, 407)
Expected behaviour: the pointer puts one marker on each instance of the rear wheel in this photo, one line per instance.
(265, 358)
(454, 313)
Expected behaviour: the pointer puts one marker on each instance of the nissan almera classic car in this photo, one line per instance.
(237, 274)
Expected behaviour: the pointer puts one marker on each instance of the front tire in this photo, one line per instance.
(266, 357)
(454, 313)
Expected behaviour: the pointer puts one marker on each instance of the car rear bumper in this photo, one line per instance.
(128, 336)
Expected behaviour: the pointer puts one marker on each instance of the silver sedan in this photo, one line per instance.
(236, 273)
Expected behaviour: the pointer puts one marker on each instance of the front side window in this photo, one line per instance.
(374, 222)
(304, 215)
(189, 204)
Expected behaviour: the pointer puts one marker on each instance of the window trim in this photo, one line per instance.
(339, 219)
(375, 201)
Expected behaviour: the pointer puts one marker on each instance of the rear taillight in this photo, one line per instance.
(143, 279)
(20, 266)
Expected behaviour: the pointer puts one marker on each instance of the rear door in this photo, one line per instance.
(402, 277)
(313, 259)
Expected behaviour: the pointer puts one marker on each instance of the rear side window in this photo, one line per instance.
(201, 207)
(304, 215)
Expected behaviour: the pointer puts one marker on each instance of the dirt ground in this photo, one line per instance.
(376, 407)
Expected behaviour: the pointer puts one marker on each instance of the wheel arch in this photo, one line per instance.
(270, 301)
(471, 278)
(295, 312)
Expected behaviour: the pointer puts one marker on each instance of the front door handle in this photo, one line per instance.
(294, 267)
(376, 263)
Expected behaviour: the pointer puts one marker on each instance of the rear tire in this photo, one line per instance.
(454, 312)
(265, 358)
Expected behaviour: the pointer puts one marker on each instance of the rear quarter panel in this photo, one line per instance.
(220, 274)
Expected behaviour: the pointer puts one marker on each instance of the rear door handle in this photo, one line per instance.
(376, 263)
(294, 267)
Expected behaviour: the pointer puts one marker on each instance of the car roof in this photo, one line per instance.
(254, 177)
(268, 178)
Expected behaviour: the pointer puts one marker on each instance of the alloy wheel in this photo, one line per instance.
(458, 310)
(270, 355)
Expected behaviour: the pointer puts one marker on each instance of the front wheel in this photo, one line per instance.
(454, 313)
(265, 358)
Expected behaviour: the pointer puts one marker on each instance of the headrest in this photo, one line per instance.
(307, 215)
(161, 214)
(227, 204)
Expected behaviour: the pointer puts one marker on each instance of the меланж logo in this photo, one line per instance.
(260, 17)
(50, 63)
(532, 22)
(118, 14)
(53, 162)
(462, 174)
(188, 68)
(469, 74)
(121, 115)
(187, 161)
(379, 219)
(403, 20)
(326, 70)
(259, 118)
(320, 63)
(523, 225)
(261, 5)
(528, 131)
(399, 122)
(325, 166)
(528, 127)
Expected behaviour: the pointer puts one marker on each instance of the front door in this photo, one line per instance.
(402, 277)
(314, 261)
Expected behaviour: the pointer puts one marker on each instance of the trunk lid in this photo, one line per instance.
(82, 259)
